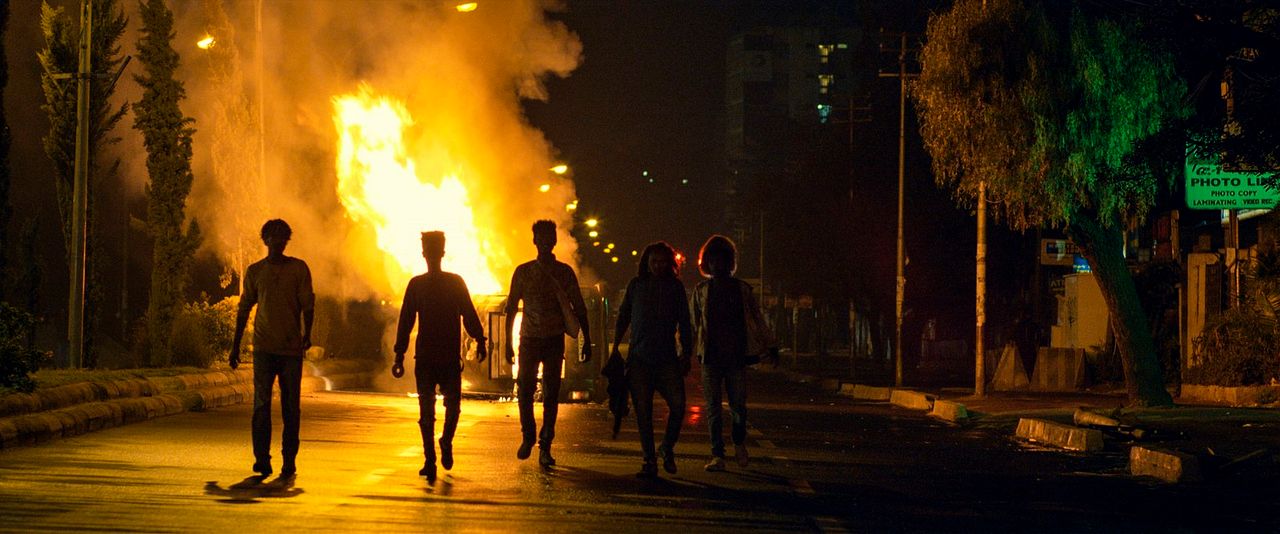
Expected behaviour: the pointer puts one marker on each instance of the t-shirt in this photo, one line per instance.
(282, 292)
(533, 283)
(437, 301)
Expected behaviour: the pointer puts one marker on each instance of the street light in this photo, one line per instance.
(544, 188)
(206, 43)
(467, 7)
(560, 169)
(591, 223)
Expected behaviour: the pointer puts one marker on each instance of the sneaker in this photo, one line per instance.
(428, 470)
(446, 455)
(740, 454)
(262, 468)
(716, 464)
(545, 459)
(668, 459)
(526, 448)
(648, 470)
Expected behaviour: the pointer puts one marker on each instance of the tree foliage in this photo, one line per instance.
(167, 137)
(6, 211)
(1069, 118)
(1056, 112)
(59, 57)
(233, 142)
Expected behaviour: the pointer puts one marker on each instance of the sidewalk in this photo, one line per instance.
(1213, 434)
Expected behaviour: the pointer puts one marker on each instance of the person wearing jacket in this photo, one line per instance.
(654, 307)
(731, 334)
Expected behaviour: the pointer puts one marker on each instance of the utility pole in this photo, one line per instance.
(80, 191)
(980, 369)
(901, 279)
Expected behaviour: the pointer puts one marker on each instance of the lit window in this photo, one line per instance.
(824, 111)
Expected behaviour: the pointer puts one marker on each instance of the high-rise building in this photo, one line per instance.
(781, 81)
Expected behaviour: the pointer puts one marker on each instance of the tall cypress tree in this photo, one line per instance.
(167, 135)
(60, 56)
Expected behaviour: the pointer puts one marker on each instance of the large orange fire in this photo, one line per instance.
(380, 186)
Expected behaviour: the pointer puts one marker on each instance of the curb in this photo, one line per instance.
(1059, 435)
(861, 392)
(913, 400)
(1166, 465)
(114, 403)
(949, 411)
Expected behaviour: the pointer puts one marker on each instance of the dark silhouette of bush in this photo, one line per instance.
(17, 360)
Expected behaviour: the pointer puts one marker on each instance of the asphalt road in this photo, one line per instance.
(820, 463)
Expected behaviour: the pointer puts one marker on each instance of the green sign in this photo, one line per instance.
(1209, 187)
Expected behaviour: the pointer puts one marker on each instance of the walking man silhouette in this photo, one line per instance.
(437, 300)
(280, 287)
(553, 307)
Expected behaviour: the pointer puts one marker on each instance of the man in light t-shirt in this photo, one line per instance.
(280, 286)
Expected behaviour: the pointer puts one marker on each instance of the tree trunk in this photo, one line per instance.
(1103, 246)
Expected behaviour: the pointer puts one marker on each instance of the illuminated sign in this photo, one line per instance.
(1209, 187)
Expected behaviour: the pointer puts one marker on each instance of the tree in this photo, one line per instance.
(233, 121)
(60, 56)
(1070, 120)
(167, 136)
(6, 212)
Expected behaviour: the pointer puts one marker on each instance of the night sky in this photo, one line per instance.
(649, 96)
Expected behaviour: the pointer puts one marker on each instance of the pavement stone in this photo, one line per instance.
(949, 411)
(913, 400)
(1169, 466)
(1059, 435)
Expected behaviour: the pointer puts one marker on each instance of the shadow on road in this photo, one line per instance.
(251, 489)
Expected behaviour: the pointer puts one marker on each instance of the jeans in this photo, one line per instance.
(549, 352)
(266, 367)
(731, 377)
(665, 378)
(448, 376)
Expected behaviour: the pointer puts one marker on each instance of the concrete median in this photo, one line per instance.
(912, 400)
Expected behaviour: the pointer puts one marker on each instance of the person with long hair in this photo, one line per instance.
(654, 308)
(731, 334)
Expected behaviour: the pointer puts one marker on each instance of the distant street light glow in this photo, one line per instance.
(591, 223)
(615, 259)
(560, 169)
(544, 188)
(206, 43)
(593, 234)
(467, 7)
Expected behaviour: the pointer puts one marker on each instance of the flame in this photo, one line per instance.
(206, 43)
(380, 187)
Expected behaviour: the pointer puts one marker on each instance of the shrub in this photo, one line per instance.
(17, 360)
(202, 332)
(1242, 346)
